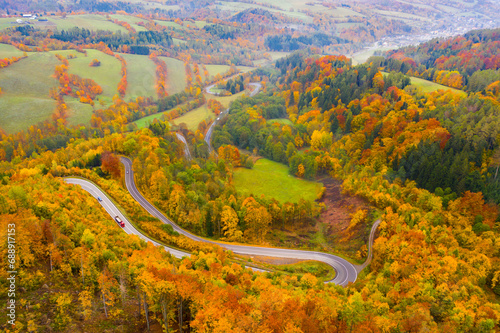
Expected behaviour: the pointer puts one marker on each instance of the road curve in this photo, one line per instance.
(369, 258)
(113, 211)
(345, 271)
(208, 136)
(181, 138)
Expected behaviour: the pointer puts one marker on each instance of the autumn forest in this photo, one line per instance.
(272, 124)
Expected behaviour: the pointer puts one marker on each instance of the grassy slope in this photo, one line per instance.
(107, 75)
(272, 179)
(6, 22)
(170, 24)
(87, 21)
(132, 20)
(9, 51)
(26, 84)
(79, 113)
(429, 86)
(141, 76)
(176, 75)
(194, 117)
(283, 121)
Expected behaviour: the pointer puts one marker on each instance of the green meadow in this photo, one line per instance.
(25, 92)
(176, 75)
(79, 113)
(429, 86)
(107, 75)
(132, 20)
(272, 180)
(141, 76)
(87, 21)
(194, 117)
(9, 51)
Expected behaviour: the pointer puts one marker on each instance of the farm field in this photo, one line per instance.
(362, 56)
(429, 86)
(272, 180)
(395, 14)
(215, 69)
(9, 51)
(87, 21)
(6, 22)
(194, 117)
(25, 85)
(176, 75)
(107, 75)
(178, 41)
(79, 113)
(144, 122)
(170, 24)
(132, 20)
(141, 76)
(235, 7)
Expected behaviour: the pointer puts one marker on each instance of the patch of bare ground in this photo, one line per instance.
(336, 219)
(330, 232)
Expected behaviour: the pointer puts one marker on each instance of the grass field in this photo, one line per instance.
(171, 24)
(9, 51)
(6, 22)
(176, 75)
(283, 121)
(87, 21)
(25, 99)
(107, 75)
(178, 41)
(215, 69)
(141, 76)
(429, 86)
(194, 117)
(144, 122)
(272, 179)
(395, 14)
(362, 56)
(79, 113)
(132, 20)
(235, 7)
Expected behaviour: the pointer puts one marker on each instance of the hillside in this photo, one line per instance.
(317, 154)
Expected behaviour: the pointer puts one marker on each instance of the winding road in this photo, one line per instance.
(181, 138)
(114, 211)
(208, 135)
(345, 271)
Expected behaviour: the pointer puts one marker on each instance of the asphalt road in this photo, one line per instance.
(113, 211)
(208, 135)
(345, 271)
(187, 153)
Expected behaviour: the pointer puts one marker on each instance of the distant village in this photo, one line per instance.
(27, 17)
